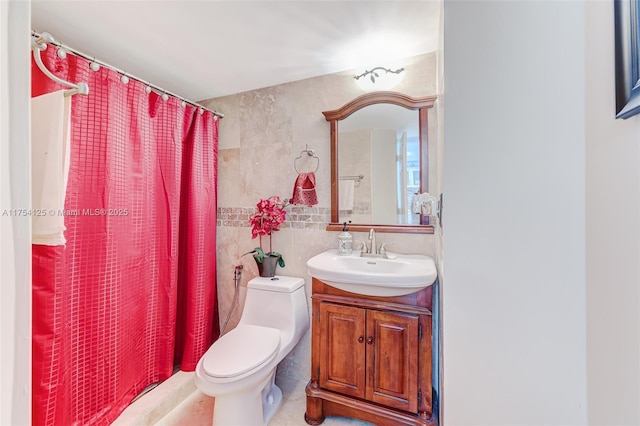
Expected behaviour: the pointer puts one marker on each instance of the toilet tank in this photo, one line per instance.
(278, 302)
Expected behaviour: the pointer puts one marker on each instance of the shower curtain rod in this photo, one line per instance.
(47, 38)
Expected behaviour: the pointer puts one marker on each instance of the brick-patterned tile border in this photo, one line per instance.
(297, 217)
(358, 209)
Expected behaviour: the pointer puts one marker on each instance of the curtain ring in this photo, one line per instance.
(62, 53)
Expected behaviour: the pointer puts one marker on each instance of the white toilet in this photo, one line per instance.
(239, 369)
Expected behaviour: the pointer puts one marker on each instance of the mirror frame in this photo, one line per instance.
(422, 105)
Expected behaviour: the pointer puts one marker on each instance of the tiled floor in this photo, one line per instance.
(197, 409)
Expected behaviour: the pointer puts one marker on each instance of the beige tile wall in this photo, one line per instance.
(262, 133)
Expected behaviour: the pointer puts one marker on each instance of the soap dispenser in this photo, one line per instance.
(345, 241)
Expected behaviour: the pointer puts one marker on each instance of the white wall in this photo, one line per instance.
(613, 236)
(514, 320)
(15, 241)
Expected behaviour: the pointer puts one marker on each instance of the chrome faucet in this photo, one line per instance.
(372, 241)
(370, 248)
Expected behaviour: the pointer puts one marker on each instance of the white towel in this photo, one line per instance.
(345, 194)
(50, 155)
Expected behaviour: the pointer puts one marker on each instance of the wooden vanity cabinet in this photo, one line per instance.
(371, 357)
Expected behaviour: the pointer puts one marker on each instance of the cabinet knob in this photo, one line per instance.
(369, 340)
(360, 339)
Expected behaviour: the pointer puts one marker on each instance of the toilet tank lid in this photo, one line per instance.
(278, 283)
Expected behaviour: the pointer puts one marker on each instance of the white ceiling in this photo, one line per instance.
(205, 49)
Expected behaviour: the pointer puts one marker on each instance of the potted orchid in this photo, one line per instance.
(267, 219)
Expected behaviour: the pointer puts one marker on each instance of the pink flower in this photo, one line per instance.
(268, 217)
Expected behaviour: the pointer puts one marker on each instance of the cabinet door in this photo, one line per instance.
(392, 359)
(342, 349)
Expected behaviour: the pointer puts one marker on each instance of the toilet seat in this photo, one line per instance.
(241, 350)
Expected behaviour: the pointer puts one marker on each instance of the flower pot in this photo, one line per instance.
(268, 266)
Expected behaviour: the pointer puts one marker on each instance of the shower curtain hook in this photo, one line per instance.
(94, 65)
(41, 42)
(62, 53)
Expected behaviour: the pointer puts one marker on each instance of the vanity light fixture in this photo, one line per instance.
(379, 78)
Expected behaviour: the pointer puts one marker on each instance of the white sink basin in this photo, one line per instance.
(374, 276)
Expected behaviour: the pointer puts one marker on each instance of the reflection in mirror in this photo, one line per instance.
(379, 161)
(379, 165)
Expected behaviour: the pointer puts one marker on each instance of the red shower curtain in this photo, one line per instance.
(133, 291)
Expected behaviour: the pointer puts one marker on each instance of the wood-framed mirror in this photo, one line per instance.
(379, 160)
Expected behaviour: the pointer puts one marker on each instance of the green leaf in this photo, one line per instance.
(278, 255)
(258, 254)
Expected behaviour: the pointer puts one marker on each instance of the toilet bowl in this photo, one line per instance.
(239, 368)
